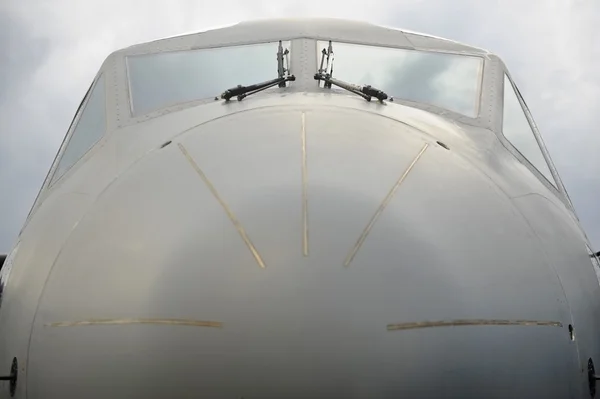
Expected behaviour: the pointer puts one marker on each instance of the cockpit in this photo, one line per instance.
(468, 85)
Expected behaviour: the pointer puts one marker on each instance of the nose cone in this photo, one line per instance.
(311, 254)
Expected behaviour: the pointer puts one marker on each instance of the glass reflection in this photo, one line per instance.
(161, 80)
(448, 81)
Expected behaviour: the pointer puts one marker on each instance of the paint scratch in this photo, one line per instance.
(170, 322)
(304, 190)
(472, 322)
(384, 203)
(229, 212)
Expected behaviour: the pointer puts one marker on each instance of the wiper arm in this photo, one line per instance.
(365, 92)
(244, 91)
(325, 74)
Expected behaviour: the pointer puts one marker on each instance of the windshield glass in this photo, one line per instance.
(164, 79)
(518, 131)
(448, 81)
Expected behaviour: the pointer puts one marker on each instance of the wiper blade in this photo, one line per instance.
(325, 74)
(365, 92)
(244, 91)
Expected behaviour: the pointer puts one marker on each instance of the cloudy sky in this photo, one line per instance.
(51, 49)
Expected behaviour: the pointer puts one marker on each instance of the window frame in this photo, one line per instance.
(72, 128)
(47, 183)
(534, 131)
(478, 99)
(50, 173)
(127, 97)
(200, 100)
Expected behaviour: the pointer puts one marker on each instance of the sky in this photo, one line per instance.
(52, 49)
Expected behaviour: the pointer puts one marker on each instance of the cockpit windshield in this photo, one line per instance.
(449, 81)
(164, 79)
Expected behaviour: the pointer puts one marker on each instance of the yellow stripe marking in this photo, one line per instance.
(171, 322)
(385, 202)
(229, 212)
(475, 322)
(304, 190)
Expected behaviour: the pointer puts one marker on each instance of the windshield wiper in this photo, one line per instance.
(244, 91)
(365, 92)
(325, 74)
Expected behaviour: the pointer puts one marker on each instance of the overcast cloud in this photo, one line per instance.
(51, 49)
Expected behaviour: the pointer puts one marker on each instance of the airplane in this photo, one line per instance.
(301, 208)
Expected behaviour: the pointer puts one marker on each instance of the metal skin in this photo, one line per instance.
(302, 243)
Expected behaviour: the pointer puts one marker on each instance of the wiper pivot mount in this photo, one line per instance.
(283, 73)
(325, 73)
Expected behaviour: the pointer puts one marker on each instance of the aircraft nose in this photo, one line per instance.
(305, 254)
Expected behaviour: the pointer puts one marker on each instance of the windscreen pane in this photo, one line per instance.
(161, 80)
(518, 131)
(446, 80)
(90, 127)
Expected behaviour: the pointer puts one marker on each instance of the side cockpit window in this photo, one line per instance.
(518, 131)
(89, 127)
